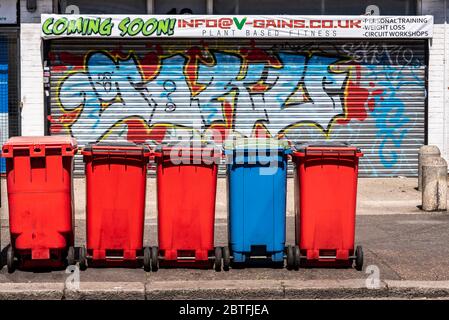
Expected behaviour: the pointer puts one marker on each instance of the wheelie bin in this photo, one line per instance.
(39, 183)
(257, 183)
(186, 177)
(116, 175)
(325, 203)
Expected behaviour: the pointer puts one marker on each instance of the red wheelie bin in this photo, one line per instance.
(325, 203)
(186, 191)
(39, 182)
(116, 174)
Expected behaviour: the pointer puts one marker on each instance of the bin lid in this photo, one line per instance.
(25, 141)
(37, 146)
(113, 144)
(256, 143)
(116, 147)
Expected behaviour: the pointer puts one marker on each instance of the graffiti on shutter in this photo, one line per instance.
(371, 94)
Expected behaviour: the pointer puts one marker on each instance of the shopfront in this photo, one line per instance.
(359, 79)
(9, 54)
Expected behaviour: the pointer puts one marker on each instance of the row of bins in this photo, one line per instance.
(40, 195)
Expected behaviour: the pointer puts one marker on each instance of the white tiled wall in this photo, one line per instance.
(32, 95)
(438, 93)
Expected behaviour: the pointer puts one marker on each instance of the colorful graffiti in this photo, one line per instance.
(165, 92)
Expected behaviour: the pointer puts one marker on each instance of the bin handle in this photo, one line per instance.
(69, 150)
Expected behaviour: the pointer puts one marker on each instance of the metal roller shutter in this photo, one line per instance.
(369, 93)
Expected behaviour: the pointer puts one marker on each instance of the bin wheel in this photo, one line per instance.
(359, 258)
(147, 259)
(290, 258)
(71, 256)
(226, 258)
(10, 263)
(296, 257)
(83, 258)
(218, 259)
(154, 259)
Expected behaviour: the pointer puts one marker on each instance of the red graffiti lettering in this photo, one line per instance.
(196, 55)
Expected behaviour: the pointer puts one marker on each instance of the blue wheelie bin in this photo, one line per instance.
(256, 182)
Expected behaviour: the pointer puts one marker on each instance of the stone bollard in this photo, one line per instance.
(434, 184)
(425, 152)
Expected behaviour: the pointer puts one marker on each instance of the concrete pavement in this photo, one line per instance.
(405, 247)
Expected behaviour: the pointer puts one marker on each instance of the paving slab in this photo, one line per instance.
(333, 289)
(217, 289)
(418, 289)
(100, 290)
(31, 291)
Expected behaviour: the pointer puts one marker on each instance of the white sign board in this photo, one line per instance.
(8, 11)
(238, 26)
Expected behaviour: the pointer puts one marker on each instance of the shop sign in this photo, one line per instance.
(214, 26)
